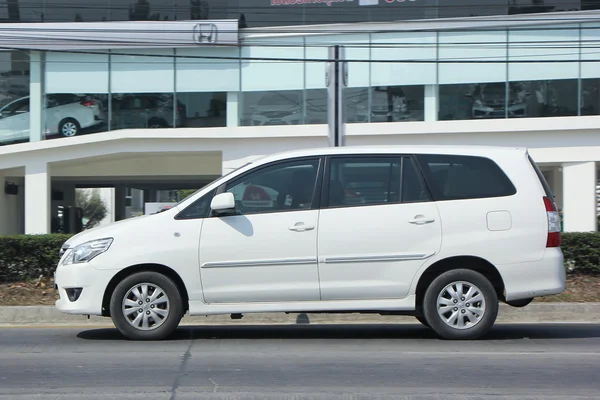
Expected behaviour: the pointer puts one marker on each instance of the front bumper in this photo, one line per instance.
(91, 281)
(534, 279)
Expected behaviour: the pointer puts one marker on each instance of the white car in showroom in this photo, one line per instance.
(440, 233)
(66, 114)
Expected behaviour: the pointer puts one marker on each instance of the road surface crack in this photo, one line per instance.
(184, 360)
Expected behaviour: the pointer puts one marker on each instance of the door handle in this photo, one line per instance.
(301, 227)
(421, 220)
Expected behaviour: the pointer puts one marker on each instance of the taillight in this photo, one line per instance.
(88, 103)
(554, 238)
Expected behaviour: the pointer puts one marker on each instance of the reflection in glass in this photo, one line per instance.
(14, 97)
(145, 110)
(272, 108)
(590, 96)
(385, 104)
(203, 109)
(524, 99)
(549, 98)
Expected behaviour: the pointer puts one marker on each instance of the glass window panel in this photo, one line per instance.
(273, 74)
(316, 106)
(364, 181)
(204, 109)
(545, 47)
(280, 107)
(385, 104)
(144, 110)
(472, 46)
(288, 186)
(68, 114)
(76, 11)
(72, 72)
(590, 96)
(549, 98)
(403, 46)
(197, 74)
(590, 45)
(144, 71)
(472, 101)
(14, 100)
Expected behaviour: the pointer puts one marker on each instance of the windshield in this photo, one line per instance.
(221, 177)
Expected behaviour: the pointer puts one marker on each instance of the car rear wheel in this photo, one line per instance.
(69, 127)
(146, 306)
(460, 304)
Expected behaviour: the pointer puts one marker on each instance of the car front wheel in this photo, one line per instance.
(146, 306)
(69, 127)
(460, 304)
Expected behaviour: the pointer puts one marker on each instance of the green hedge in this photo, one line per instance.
(27, 257)
(582, 252)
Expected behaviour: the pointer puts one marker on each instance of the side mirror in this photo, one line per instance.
(223, 202)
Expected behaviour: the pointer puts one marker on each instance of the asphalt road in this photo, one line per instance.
(524, 361)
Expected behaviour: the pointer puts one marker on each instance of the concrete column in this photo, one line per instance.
(579, 197)
(119, 203)
(431, 103)
(37, 198)
(36, 96)
(4, 212)
(233, 109)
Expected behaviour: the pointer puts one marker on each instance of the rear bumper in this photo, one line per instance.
(534, 279)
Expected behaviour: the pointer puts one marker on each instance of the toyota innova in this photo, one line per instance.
(440, 233)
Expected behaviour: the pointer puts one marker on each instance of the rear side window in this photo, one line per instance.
(454, 177)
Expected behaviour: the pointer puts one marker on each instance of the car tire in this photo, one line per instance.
(422, 320)
(471, 302)
(69, 127)
(158, 292)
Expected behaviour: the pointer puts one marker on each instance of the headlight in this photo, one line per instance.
(86, 251)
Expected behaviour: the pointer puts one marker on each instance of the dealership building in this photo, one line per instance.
(149, 97)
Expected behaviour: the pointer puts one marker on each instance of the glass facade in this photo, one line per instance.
(260, 13)
(542, 71)
(14, 97)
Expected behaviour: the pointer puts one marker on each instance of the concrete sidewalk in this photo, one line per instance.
(535, 312)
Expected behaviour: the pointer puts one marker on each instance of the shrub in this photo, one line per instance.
(25, 257)
(582, 252)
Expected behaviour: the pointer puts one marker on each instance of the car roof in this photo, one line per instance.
(486, 151)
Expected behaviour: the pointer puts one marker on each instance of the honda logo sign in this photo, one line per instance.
(205, 33)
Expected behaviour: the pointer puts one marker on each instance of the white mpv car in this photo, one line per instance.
(441, 233)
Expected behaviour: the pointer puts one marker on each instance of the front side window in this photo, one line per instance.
(288, 186)
(453, 177)
(364, 181)
(199, 208)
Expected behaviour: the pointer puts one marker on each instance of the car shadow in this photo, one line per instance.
(357, 331)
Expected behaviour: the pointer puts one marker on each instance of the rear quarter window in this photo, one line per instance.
(454, 177)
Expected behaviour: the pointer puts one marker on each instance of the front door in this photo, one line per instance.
(267, 251)
(376, 229)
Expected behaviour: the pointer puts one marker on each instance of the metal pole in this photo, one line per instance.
(336, 78)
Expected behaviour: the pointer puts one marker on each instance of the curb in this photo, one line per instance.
(533, 313)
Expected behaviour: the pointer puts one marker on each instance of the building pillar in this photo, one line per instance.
(37, 198)
(233, 109)
(579, 197)
(36, 96)
(119, 203)
(4, 212)
(431, 103)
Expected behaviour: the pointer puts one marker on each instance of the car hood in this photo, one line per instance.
(124, 228)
